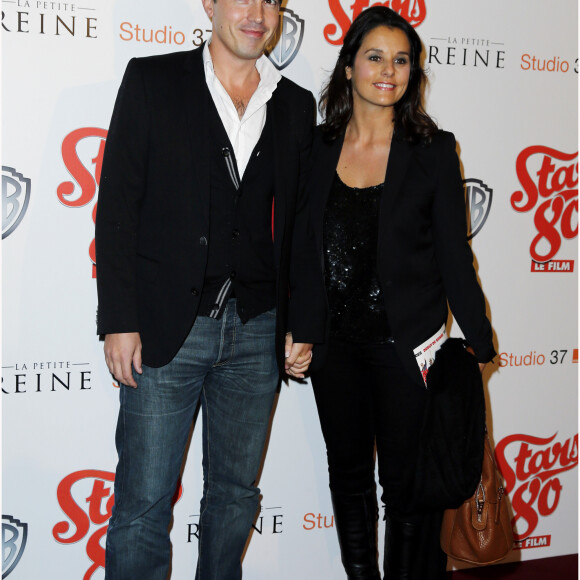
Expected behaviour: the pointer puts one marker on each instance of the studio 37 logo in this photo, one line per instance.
(86, 497)
(82, 153)
(533, 468)
(549, 180)
(14, 536)
(344, 12)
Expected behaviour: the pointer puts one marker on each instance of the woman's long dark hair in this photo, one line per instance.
(336, 100)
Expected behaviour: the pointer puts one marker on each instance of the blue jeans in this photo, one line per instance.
(231, 367)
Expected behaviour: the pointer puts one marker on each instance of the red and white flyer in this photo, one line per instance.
(425, 352)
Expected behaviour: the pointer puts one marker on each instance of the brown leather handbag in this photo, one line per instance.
(479, 531)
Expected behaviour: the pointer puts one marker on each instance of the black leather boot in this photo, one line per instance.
(412, 550)
(355, 519)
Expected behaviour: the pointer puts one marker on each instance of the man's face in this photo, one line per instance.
(243, 27)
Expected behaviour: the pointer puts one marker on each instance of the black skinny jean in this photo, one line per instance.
(363, 394)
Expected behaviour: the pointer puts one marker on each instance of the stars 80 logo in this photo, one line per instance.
(532, 468)
(86, 497)
(82, 154)
(96, 489)
(414, 11)
(549, 180)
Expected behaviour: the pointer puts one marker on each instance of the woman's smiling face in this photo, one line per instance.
(382, 67)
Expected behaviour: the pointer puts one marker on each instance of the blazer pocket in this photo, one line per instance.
(147, 269)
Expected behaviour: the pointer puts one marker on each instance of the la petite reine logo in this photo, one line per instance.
(414, 11)
(48, 18)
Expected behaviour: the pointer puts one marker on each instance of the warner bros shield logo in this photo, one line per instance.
(14, 536)
(478, 198)
(288, 39)
(15, 198)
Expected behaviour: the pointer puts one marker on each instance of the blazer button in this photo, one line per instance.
(232, 275)
(235, 234)
(195, 291)
(203, 241)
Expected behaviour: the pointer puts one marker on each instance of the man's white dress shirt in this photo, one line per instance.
(243, 133)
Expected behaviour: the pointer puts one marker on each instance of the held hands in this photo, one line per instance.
(298, 356)
(121, 351)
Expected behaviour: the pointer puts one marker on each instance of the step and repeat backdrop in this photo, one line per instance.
(503, 77)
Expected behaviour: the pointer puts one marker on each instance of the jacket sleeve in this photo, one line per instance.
(453, 253)
(307, 308)
(122, 187)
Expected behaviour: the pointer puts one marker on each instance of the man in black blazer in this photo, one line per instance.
(207, 278)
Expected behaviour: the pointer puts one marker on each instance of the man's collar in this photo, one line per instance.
(269, 74)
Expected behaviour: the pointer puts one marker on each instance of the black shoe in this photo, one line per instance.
(412, 550)
(355, 518)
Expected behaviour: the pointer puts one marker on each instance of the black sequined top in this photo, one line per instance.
(351, 225)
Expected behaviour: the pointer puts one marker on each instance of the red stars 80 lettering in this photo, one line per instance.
(533, 481)
(87, 178)
(96, 513)
(94, 510)
(413, 11)
(552, 192)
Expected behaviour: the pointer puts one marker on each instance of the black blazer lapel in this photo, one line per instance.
(197, 105)
(397, 166)
(279, 128)
(399, 159)
(326, 157)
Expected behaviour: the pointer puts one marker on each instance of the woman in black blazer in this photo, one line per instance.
(389, 214)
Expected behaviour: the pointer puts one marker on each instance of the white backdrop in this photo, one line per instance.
(503, 78)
